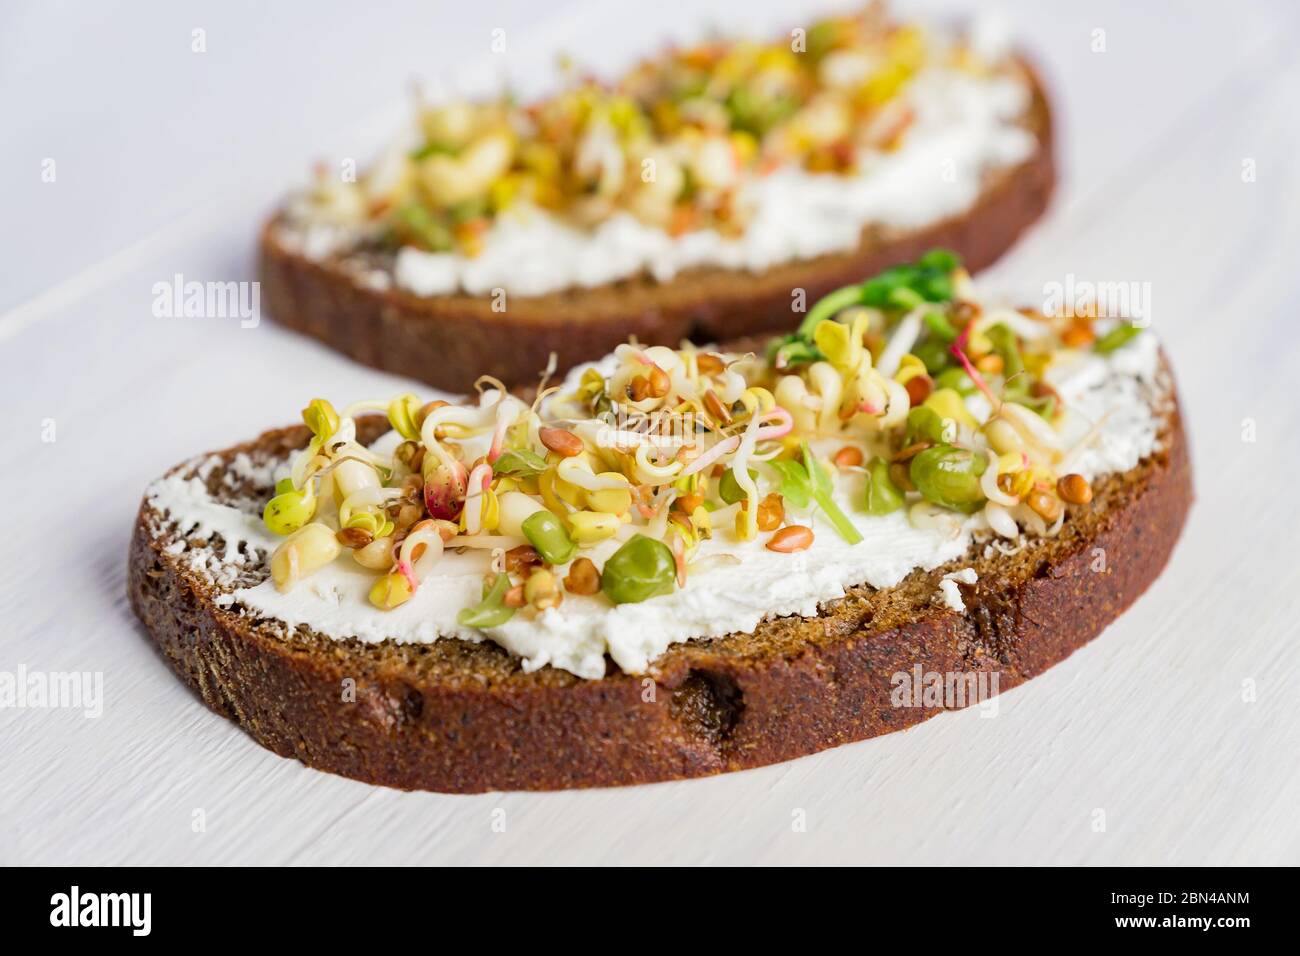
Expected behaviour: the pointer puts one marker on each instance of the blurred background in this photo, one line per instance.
(150, 136)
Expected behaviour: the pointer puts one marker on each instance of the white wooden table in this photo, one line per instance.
(1179, 724)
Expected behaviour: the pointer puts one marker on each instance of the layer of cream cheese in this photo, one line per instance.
(733, 586)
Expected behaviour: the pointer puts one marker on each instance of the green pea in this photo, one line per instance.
(289, 510)
(934, 354)
(883, 496)
(956, 379)
(492, 611)
(1116, 338)
(545, 533)
(950, 476)
(925, 424)
(729, 489)
(640, 569)
(755, 112)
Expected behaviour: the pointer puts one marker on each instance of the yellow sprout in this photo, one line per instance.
(513, 508)
(489, 511)
(560, 496)
(757, 400)
(948, 404)
(841, 343)
(402, 413)
(614, 501)
(1011, 461)
(390, 590)
(588, 527)
(792, 395)
(303, 553)
(909, 366)
(321, 418)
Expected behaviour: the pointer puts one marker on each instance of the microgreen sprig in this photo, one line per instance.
(900, 288)
(519, 463)
(809, 480)
(491, 611)
(1116, 338)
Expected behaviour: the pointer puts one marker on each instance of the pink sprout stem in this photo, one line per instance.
(958, 349)
(498, 440)
(408, 572)
(765, 433)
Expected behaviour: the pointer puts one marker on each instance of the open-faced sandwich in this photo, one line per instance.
(677, 561)
(698, 196)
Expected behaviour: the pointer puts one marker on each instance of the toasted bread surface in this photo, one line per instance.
(448, 341)
(464, 717)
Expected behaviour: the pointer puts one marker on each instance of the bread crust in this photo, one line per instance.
(449, 341)
(454, 716)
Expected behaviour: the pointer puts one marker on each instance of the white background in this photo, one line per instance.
(166, 160)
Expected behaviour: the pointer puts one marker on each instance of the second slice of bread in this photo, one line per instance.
(449, 341)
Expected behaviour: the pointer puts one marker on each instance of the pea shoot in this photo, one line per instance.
(491, 611)
(898, 289)
(519, 463)
(1116, 338)
(810, 480)
(882, 495)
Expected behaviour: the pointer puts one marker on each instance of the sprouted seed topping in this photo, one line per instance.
(938, 405)
(672, 142)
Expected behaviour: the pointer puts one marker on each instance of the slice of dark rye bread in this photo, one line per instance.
(463, 717)
(450, 340)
